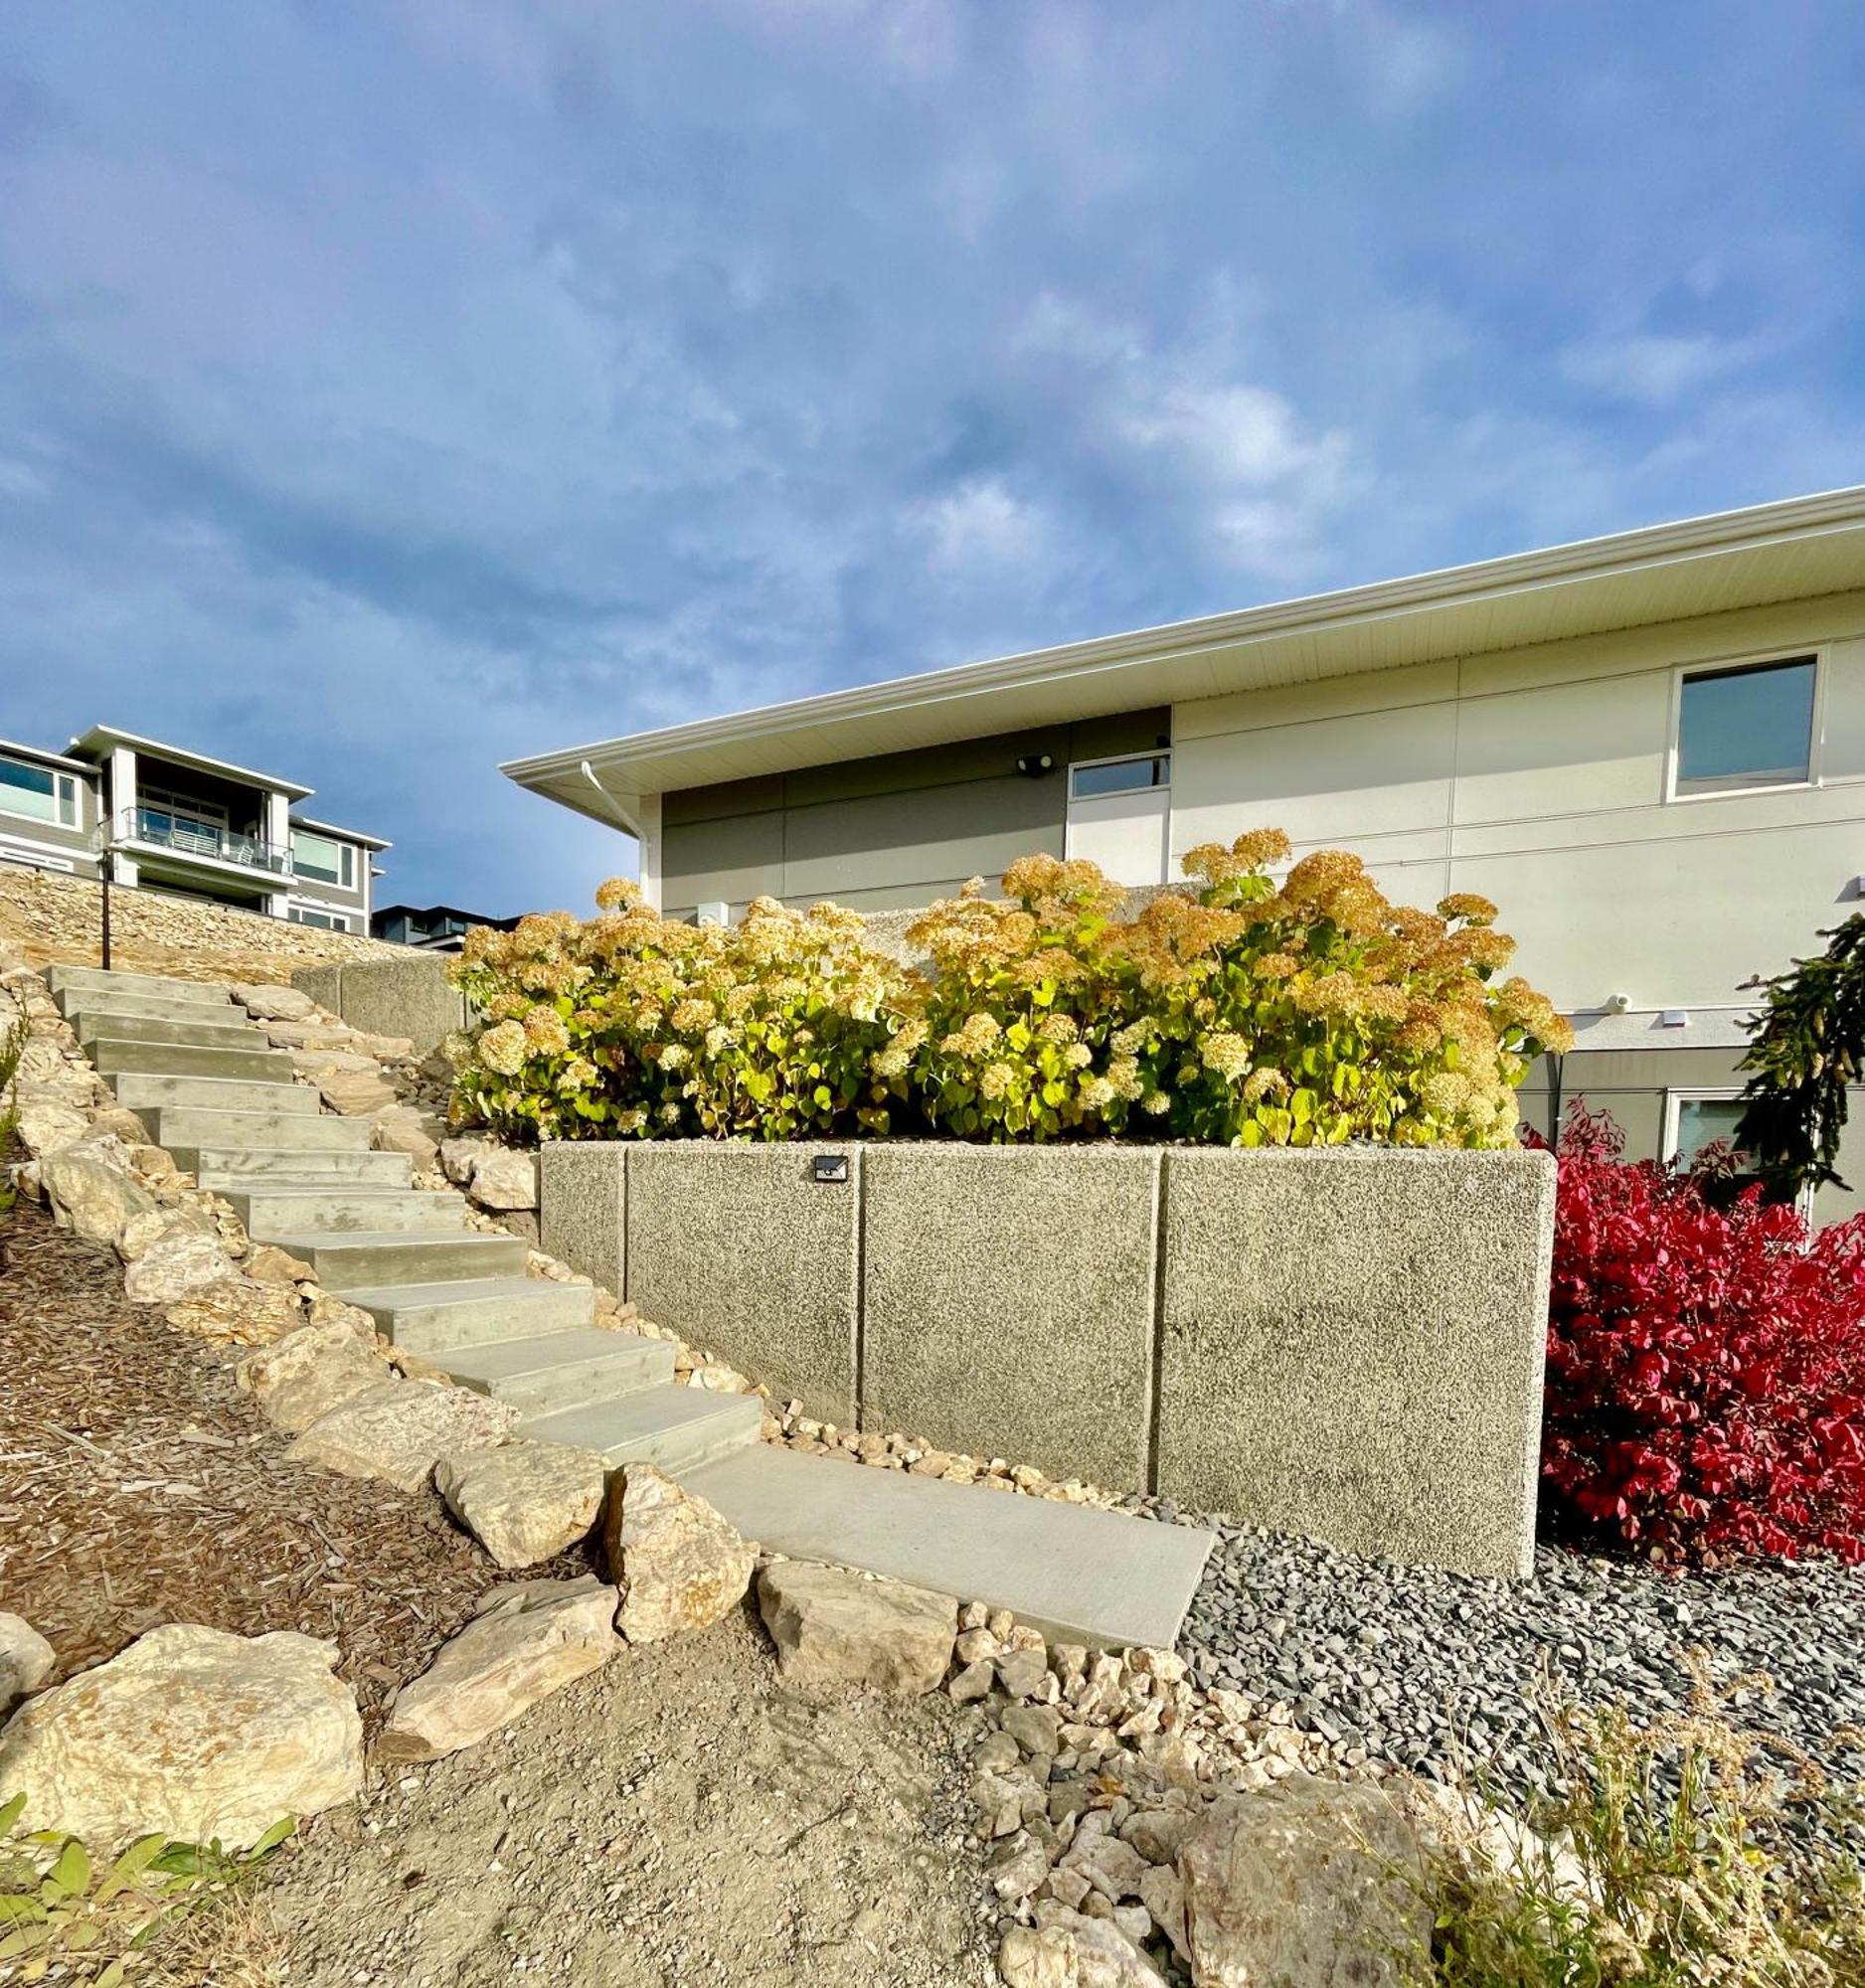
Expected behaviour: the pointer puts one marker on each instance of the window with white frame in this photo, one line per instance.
(1747, 725)
(1092, 778)
(324, 920)
(323, 859)
(38, 793)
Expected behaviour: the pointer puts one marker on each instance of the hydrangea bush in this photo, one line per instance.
(1246, 1012)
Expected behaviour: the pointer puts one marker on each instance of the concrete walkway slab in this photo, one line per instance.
(1078, 1574)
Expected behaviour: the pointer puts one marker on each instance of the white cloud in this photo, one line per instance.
(981, 524)
(1653, 367)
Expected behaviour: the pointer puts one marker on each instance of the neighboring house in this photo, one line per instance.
(1648, 749)
(438, 929)
(168, 819)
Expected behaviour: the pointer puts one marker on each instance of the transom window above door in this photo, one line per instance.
(1745, 726)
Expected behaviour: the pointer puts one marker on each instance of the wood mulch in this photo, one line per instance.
(138, 1486)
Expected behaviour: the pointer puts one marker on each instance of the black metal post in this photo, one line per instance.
(107, 860)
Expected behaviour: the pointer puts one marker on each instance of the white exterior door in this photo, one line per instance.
(1121, 815)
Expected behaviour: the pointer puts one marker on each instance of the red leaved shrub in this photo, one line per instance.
(1706, 1366)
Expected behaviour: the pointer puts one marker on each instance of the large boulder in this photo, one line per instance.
(524, 1501)
(834, 1628)
(273, 1004)
(192, 1732)
(355, 1093)
(181, 1263)
(524, 1642)
(1071, 1950)
(89, 1196)
(461, 1157)
(308, 1372)
(400, 1429)
(675, 1562)
(506, 1180)
(1310, 1885)
(403, 1129)
(240, 1312)
(47, 1125)
(26, 1659)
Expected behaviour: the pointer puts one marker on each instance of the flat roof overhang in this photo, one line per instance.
(100, 740)
(1769, 552)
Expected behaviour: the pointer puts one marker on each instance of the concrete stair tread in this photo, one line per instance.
(368, 1258)
(59, 978)
(142, 1090)
(91, 1026)
(95, 1005)
(113, 1054)
(1078, 1574)
(680, 1428)
(462, 1290)
(371, 1238)
(495, 1360)
(310, 1167)
(194, 1127)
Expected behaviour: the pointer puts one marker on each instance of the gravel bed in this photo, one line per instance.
(1427, 1669)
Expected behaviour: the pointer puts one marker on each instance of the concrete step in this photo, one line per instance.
(363, 1259)
(275, 1207)
(181, 1126)
(139, 1089)
(150, 1007)
(111, 1056)
(1078, 1574)
(94, 980)
(439, 1319)
(222, 1167)
(230, 1035)
(680, 1430)
(562, 1369)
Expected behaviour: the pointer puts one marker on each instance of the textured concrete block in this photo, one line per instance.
(1352, 1347)
(410, 997)
(583, 1200)
(1008, 1302)
(740, 1249)
(324, 984)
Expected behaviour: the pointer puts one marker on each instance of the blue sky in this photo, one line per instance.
(394, 386)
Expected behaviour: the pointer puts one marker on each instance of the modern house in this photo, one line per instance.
(168, 819)
(437, 929)
(1648, 749)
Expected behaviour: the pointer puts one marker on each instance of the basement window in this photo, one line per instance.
(1091, 779)
(1743, 727)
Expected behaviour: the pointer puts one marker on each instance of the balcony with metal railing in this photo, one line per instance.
(179, 835)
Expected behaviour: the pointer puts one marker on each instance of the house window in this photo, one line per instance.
(1119, 777)
(323, 859)
(323, 921)
(1747, 727)
(38, 793)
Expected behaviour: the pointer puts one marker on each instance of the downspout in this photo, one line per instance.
(636, 829)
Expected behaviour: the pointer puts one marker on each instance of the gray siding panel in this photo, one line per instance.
(885, 833)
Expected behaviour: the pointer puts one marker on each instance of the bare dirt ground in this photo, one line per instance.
(678, 1818)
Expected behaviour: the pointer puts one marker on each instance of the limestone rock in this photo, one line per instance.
(269, 1264)
(1310, 1883)
(677, 1565)
(506, 1179)
(308, 1372)
(400, 1429)
(239, 1312)
(834, 1628)
(192, 1732)
(403, 1129)
(326, 1304)
(89, 1197)
(26, 1659)
(523, 1501)
(273, 1004)
(524, 1642)
(141, 1233)
(121, 1124)
(461, 1158)
(49, 1124)
(175, 1267)
(355, 1093)
(1070, 1950)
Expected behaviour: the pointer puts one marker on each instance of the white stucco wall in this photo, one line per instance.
(1538, 778)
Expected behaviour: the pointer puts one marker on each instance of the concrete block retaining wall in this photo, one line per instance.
(410, 996)
(1345, 1344)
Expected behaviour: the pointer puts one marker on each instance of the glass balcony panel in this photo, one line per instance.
(165, 829)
